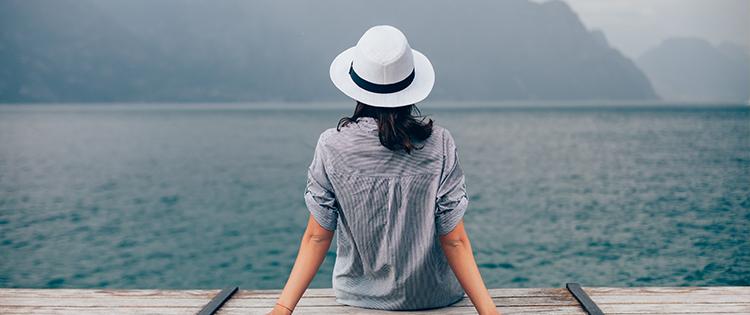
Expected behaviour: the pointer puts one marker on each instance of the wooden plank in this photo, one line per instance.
(612, 300)
(502, 292)
(235, 302)
(193, 298)
(721, 290)
(218, 301)
(681, 313)
(62, 293)
(643, 309)
(587, 304)
(675, 308)
(671, 299)
(512, 301)
(552, 310)
(103, 302)
(303, 310)
(61, 310)
(97, 293)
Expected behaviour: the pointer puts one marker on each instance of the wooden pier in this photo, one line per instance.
(611, 300)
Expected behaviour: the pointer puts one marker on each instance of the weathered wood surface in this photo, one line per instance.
(612, 300)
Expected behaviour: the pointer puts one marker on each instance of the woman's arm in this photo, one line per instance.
(457, 249)
(312, 251)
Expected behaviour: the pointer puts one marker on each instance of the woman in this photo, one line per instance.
(390, 185)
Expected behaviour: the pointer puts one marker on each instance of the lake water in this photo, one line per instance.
(205, 196)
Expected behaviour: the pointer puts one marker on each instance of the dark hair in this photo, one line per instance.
(398, 127)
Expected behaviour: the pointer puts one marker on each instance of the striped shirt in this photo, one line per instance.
(388, 208)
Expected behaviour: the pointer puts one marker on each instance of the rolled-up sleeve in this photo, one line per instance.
(319, 196)
(451, 197)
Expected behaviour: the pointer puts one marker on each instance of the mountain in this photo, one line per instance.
(692, 69)
(178, 51)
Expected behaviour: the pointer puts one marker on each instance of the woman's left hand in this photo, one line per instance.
(278, 310)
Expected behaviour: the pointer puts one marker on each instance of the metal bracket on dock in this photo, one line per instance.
(218, 300)
(586, 302)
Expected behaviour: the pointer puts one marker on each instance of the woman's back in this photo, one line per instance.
(388, 208)
(391, 187)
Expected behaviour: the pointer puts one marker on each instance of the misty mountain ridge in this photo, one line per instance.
(692, 69)
(175, 51)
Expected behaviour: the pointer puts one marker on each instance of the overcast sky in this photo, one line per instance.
(634, 26)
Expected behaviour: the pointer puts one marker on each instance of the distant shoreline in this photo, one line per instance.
(319, 105)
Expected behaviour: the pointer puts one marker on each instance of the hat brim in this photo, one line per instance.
(418, 90)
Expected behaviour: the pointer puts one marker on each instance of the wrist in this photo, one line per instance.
(488, 311)
(282, 309)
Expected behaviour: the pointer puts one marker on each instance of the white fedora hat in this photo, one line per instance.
(382, 70)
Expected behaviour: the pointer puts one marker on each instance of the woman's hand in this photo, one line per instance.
(278, 310)
(457, 249)
(312, 251)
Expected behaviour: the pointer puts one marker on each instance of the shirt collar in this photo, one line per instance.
(367, 121)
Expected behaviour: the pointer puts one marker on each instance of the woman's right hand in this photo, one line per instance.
(457, 249)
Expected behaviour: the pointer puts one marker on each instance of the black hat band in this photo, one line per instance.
(380, 88)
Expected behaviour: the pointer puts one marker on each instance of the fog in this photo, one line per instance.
(238, 51)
